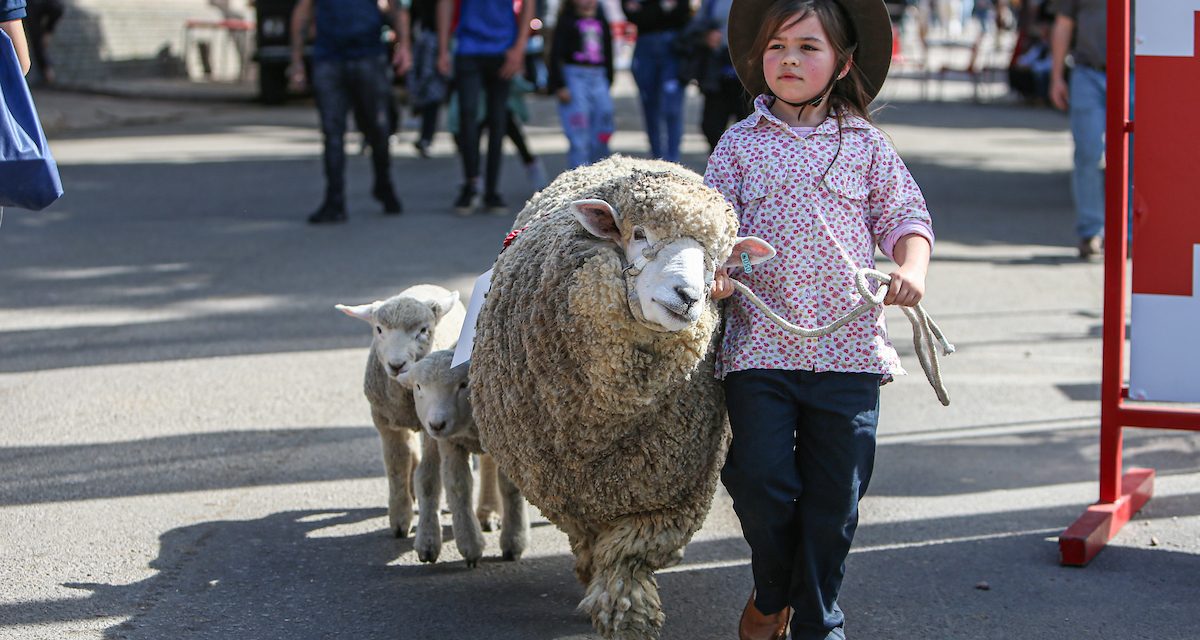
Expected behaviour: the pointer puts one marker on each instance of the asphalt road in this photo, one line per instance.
(185, 451)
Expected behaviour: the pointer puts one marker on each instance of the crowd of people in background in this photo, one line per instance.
(477, 60)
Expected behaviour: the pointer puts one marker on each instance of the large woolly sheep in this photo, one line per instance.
(406, 327)
(441, 395)
(592, 371)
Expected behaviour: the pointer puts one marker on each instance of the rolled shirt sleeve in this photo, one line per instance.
(896, 206)
(12, 10)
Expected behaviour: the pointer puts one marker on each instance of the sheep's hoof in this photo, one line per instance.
(472, 563)
(427, 555)
(511, 556)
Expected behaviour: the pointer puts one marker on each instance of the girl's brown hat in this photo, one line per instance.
(872, 28)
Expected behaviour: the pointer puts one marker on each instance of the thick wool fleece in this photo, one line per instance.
(614, 430)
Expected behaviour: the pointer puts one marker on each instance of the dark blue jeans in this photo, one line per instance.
(472, 75)
(361, 84)
(801, 458)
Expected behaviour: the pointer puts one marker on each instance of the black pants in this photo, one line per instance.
(801, 457)
(729, 101)
(361, 84)
(473, 75)
(42, 18)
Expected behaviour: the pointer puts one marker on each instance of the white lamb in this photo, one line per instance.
(443, 404)
(406, 327)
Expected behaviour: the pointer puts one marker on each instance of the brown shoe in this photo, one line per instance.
(756, 625)
(1092, 247)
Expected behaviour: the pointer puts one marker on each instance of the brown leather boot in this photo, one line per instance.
(755, 625)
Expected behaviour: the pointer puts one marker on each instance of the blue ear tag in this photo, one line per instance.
(746, 263)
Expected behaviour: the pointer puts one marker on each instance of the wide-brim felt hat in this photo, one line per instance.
(872, 28)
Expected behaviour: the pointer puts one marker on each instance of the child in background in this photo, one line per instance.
(810, 174)
(581, 72)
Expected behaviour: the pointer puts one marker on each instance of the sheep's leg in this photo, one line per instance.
(622, 597)
(488, 511)
(400, 459)
(456, 476)
(429, 492)
(581, 547)
(514, 535)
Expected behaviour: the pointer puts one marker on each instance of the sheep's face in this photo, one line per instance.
(403, 329)
(441, 396)
(668, 277)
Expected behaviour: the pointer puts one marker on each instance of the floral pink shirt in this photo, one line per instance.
(771, 175)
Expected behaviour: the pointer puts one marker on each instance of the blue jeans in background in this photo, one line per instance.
(656, 71)
(587, 120)
(1087, 111)
(361, 84)
(801, 457)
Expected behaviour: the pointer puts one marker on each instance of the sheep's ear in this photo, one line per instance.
(442, 306)
(599, 218)
(756, 249)
(364, 312)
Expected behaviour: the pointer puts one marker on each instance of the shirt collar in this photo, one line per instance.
(762, 112)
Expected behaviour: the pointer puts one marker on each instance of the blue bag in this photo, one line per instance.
(28, 174)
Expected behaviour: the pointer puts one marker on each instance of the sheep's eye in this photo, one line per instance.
(417, 387)
(639, 233)
(462, 385)
(424, 330)
(379, 329)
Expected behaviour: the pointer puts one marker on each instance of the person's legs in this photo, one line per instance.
(713, 118)
(673, 93)
(496, 116)
(600, 114)
(513, 130)
(468, 83)
(1087, 111)
(575, 119)
(835, 453)
(370, 92)
(761, 476)
(333, 103)
(646, 74)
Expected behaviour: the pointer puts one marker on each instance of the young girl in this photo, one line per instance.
(581, 72)
(807, 172)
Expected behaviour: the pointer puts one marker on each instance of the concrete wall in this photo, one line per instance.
(99, 40)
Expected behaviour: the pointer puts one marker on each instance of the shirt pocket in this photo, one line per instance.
(848, 185)
(762, 195)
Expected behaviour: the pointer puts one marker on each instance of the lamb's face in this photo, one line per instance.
(441, 396)
(403, 330)
(669, 276)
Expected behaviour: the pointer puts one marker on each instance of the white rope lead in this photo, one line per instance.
(925, 330)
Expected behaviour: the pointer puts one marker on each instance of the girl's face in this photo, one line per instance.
(799, 60)
(585, 7)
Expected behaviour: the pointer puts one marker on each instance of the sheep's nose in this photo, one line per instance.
(688, 296)
(397, 368)
(437, 427)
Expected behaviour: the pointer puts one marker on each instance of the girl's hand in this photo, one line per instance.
(907, 287)
(722, 286)
(564, 95)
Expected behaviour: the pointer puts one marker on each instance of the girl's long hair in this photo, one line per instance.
(849, 95)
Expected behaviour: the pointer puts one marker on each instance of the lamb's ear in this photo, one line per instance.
(405, 379)
(599, 218)
(364, 312)
(442, 306)
(756, 249)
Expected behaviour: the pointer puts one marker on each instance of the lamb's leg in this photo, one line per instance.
(488, 511)
(400, 458)
(429, 492)
(514, 535)
(622, 596)
(456, 476)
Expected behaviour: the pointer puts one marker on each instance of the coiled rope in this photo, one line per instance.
(925, 330)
